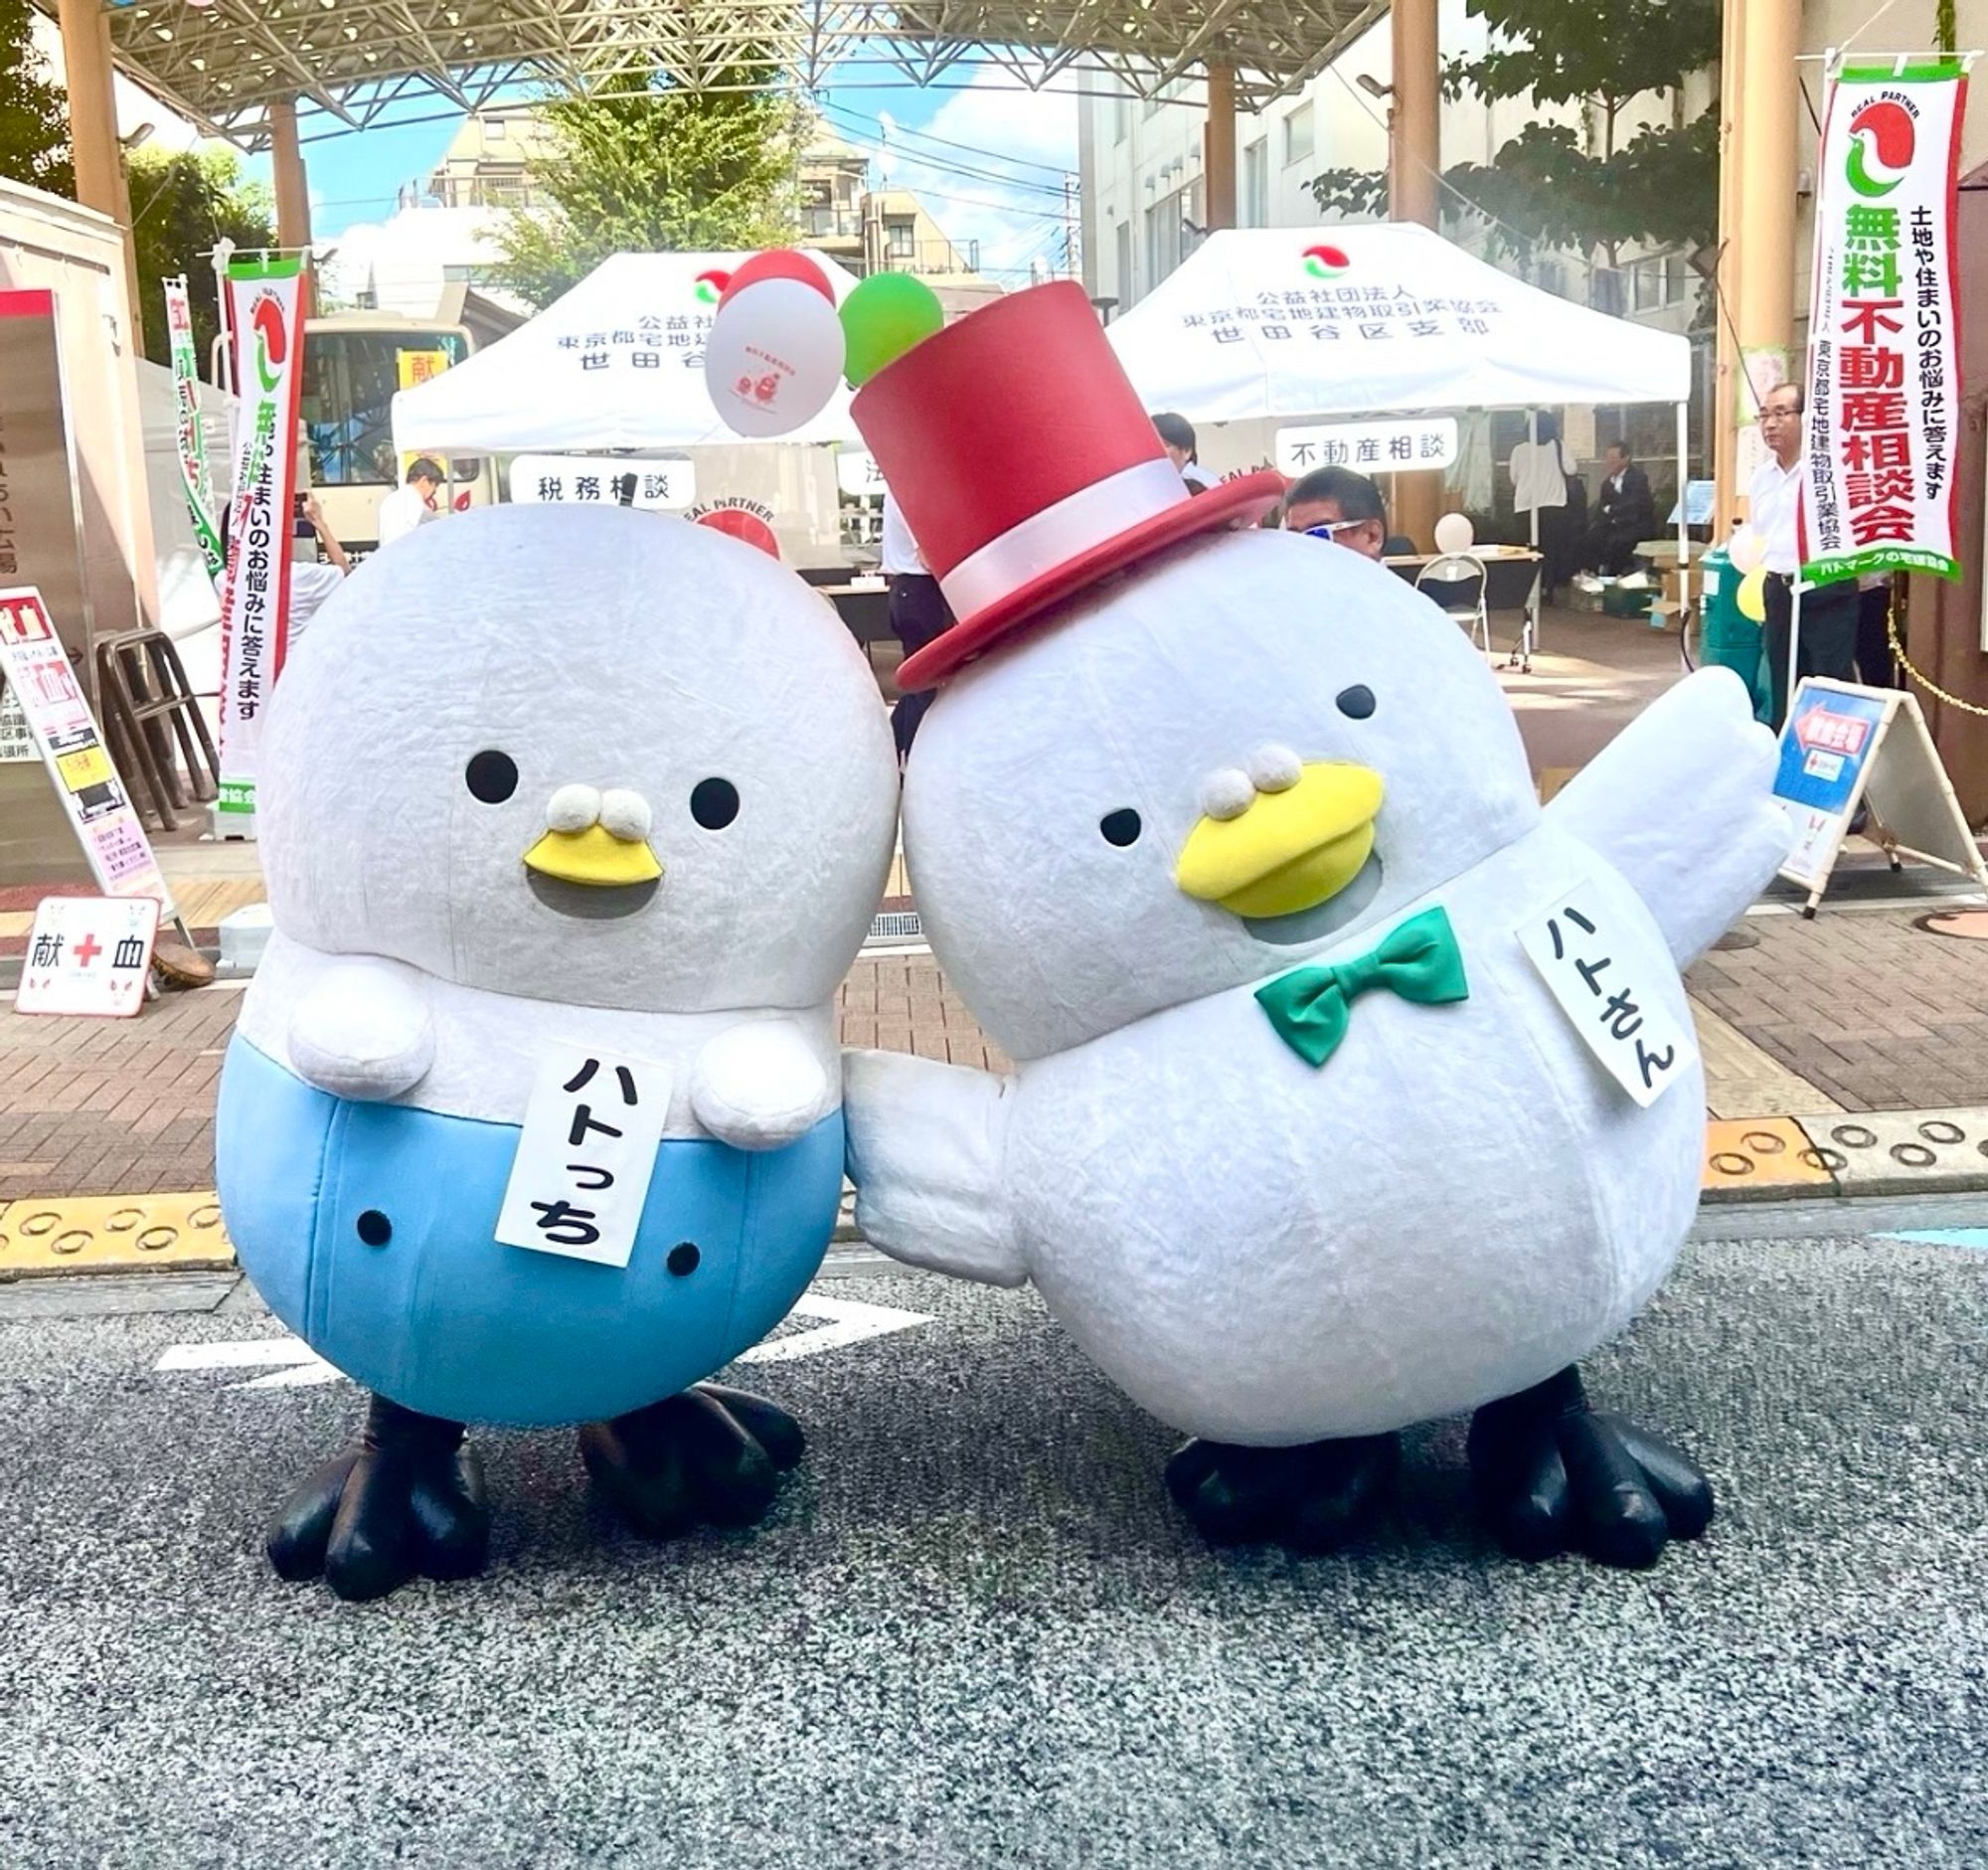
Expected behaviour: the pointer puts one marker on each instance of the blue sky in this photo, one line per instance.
(995, 178)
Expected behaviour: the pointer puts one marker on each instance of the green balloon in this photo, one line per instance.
(883, 318)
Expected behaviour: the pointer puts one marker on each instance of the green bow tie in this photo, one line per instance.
(1420, 961)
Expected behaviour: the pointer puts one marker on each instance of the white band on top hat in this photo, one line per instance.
(1063, 531)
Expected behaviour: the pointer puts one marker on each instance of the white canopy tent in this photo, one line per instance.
(1347, 321)
(1272, 322)
(617, 362)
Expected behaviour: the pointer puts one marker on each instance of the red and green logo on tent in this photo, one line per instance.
(1326, 262)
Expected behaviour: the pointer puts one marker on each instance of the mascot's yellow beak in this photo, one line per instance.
(1289, 851)
(594, 856)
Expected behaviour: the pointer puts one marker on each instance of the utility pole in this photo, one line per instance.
(1070, 237)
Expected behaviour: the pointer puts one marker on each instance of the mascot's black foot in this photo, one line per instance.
(712, 1454)
(406, 1502)
(1316, 1498)
(1552, 1475)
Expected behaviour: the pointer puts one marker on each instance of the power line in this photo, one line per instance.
(971, 149)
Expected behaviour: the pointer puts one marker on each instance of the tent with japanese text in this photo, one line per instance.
(1284, 322)
(617, 362)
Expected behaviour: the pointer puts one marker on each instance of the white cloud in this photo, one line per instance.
(995, 177)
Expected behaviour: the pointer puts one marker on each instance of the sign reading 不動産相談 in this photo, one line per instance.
(195, 481)
(1883, 385)
(1398, 446)
(265, 298)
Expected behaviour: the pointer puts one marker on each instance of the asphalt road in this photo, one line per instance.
(976, 1633)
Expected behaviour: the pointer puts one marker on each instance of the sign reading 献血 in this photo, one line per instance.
(1398, 446)
(88, 955)
(1883, 385)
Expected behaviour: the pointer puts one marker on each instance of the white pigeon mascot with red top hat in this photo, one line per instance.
(1352, 1089)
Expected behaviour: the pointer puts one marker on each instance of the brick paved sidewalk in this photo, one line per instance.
(1857, 1010)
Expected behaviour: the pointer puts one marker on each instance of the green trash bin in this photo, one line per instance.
(1727, 639)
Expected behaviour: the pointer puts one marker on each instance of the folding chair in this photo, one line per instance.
(1465, 574)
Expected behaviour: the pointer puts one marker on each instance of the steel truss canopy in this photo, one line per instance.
(354, 64)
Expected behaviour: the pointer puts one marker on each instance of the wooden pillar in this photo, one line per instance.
(1414, 142)
(1414, 192)
(292, 186)
(1217, 163)
(92, 133)
(1761, 238)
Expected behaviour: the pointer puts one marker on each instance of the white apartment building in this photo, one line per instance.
(1144, 201)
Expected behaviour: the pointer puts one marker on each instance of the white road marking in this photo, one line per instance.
(296, 1366)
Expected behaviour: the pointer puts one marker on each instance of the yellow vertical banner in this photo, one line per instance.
(418, 367)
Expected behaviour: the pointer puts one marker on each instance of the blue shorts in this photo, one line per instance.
(442, 1318)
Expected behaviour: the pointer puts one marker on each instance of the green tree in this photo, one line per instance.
(180, 204)
(639, 165)
(1608, 183)
(34, 113)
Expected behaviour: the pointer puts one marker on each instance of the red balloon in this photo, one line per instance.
(784, 263)
(735, 523)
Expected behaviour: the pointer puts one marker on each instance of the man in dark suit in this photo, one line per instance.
(1626, 514)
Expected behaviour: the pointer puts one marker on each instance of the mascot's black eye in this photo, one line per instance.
(1356, 703)
(1121, 827)
(714, 803)
(491, 777)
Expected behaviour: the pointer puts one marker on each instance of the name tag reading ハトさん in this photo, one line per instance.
(1609, 997)
(585, 1156)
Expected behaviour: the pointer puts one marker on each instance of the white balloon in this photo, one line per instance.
(774, 358)
(1749, 549)
(1454, 534)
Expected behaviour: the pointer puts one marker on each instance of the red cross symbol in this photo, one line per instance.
(86, 950)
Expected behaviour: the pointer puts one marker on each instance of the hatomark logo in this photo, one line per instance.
(711, 286)
(1881, 136)
(1326, 262)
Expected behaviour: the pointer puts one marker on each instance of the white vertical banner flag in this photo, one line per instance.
(266, 300)
(1883, 384)
(195, 480)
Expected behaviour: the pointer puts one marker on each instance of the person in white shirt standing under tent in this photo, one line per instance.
(1828, 612)
(918, 613)
(1540, 475)
(410, 505)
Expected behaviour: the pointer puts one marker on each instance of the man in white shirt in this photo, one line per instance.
(312, 585)
(918, 613)
(411, 505)
(1828, 612)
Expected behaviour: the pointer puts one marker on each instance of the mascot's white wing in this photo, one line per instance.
(1681, 802)
(759, 1085)
(925, 1148)
(362, 1029)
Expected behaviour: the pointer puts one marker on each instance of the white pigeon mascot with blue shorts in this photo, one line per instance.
(573, 820)
(1352, 1089)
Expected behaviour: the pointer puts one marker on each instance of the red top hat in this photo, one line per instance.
(1027, 469)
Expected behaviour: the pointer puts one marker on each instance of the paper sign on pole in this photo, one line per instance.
(195, 481)
(1883, 390)
(35, 669)
(88, 955)
(1846, 745)
(266, 300)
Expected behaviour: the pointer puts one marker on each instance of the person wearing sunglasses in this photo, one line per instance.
(1336, 504)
